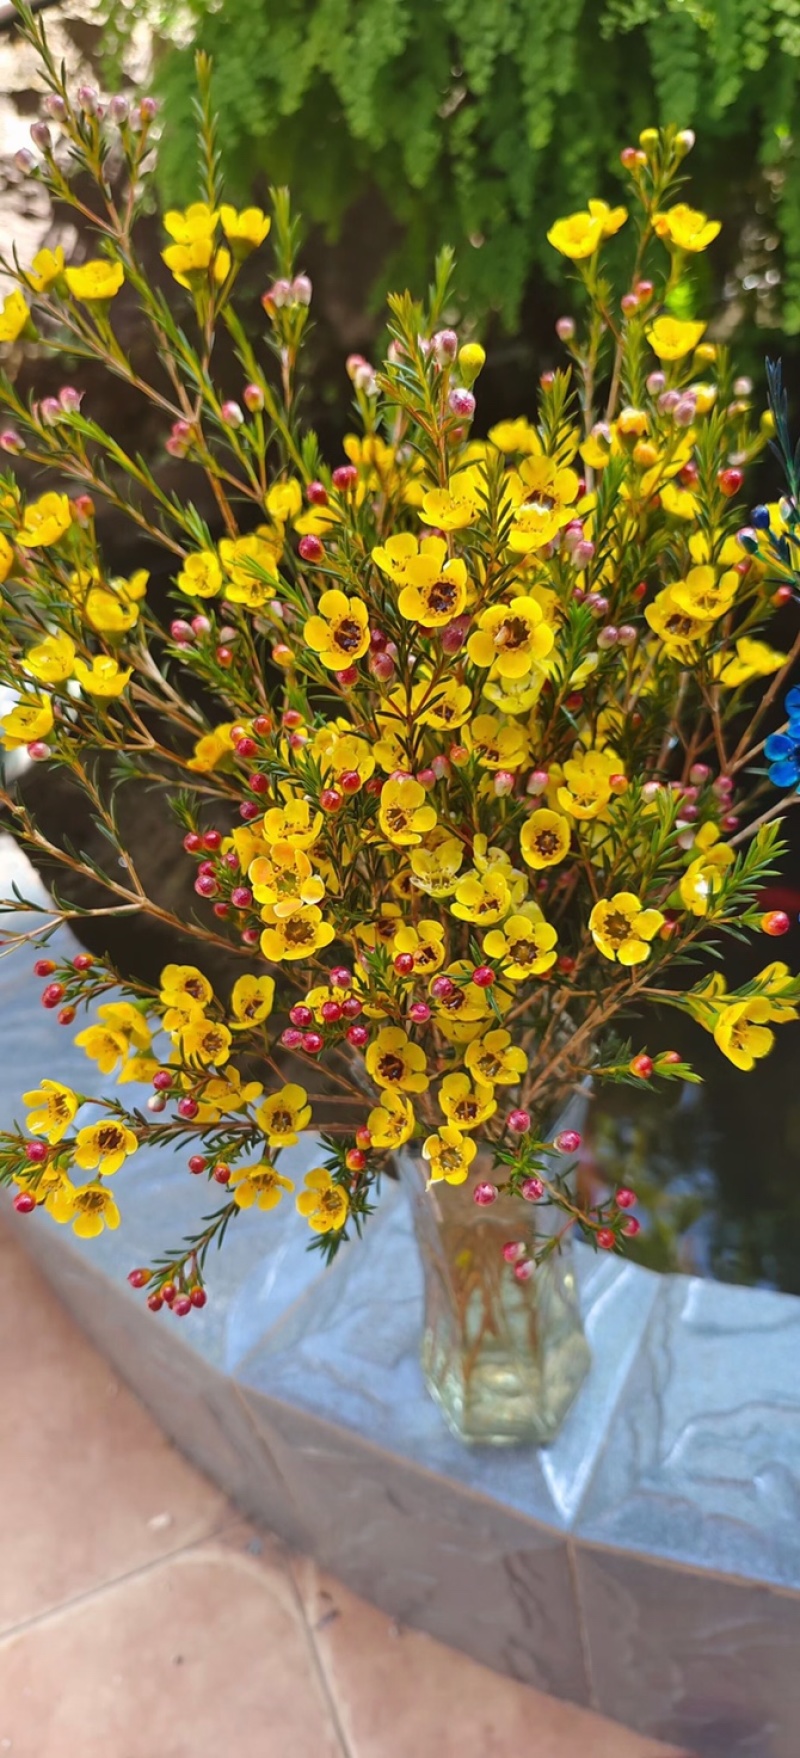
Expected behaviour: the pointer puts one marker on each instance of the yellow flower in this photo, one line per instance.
(680, 502)
(186, 261)
(391, 1122)
(515, 436)
(458, 505)
(393, 1061)
(223, 1093)
(261, 1185)
(449, 1154)
(511, 638)
(250, 565)
(46, 268)
(138, 1068)
(704, 875)
(293, 825)
(587, 781)
(323, 1204)
(201, 575)
(251, 1002)
(212, 749)
(184, 991)
(283, 1115)
(103, 1045)
(29, 721)
(425, 943)
(497, 744)
(446, 706)
(495, 1060)
(462, 1015)
(197, 221)
(51, 662)
(672, 338)
(6, 558)
(296, 936)
(465, 1105)
(104, 1146)
(622, 930)
(471, 360)
(13, 317)
(45, 522)
(741, 1032)
(704, 594)
(404, 815)
(436, 589)
(578, 235)
(752, 659)
(104, 677)
(525, 946)
(245, 230)
(482, 897)
(90, 1209)
(686, 227)
(284, 884)
(205, 1040)
(114, 609)
(435, 869)
(340, 632)
(672, 623)
(342, 753)
(95, 280)
(542, 494)
(285, 500)
(54, 1107)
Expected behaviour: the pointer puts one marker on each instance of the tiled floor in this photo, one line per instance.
(141, 1618)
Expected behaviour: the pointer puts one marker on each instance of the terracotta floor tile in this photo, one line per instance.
(89, 1487)
(400, 1692)
(200, 1656)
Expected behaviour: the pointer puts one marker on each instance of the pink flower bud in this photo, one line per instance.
(445, 346)
(626, 635)
(200, 625)
(699, 774)
(157, 1102)
(41, 136)
(118, 108)
(55, 107)
(518, 1122)
(668, 401)
(440, 766)
(565, 329)
(88, 98)
(181, 632)
(567, 1141)
(484, 1194)
(537, 782)
(420, 1012)
(38, 750)
(454, 634)
(253, 398)
(533, 1190)
(684, 412)
(524, 1270)
(382, 666)
(148, 109)
(70, 399)
(583, 553)
(24, 161)
(11, 441)
(347, 678)
(655, 382)
(49, 411)
(608, 636)
(514, 1251)
(462, 402)
(302, 290)
(280, 293)
(232, 415)
(345, 478)
(503, 782)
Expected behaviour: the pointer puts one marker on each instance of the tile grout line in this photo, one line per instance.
(75, 1602)
(319, 1667)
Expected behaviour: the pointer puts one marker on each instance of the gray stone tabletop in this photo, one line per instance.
(647, 1562)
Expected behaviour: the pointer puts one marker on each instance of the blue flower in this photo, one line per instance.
(782, 749)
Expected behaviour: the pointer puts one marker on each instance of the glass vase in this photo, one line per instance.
(502, 1358)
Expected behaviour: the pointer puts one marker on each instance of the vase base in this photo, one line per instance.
(501, 1404)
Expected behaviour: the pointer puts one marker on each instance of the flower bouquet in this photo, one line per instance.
(465, 737)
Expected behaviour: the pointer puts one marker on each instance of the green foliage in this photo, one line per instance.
(479, 124)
